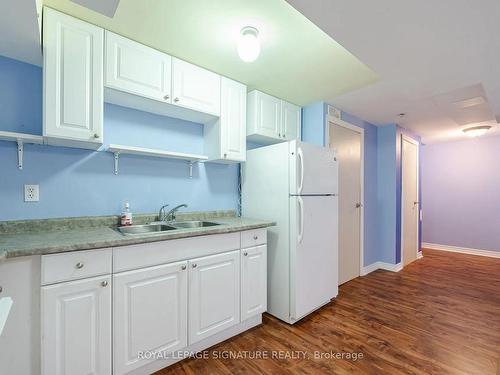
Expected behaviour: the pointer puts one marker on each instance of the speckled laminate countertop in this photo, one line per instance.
(60, 239)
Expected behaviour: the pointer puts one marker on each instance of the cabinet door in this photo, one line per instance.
(268, 115)
(291, 116)
(233, 120)
(76, 327)
(135, 68)
(214, 294)
(73, 83)
(253, 281)
(150, 313)
(195, 87)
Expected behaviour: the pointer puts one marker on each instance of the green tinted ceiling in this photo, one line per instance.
(298, 61)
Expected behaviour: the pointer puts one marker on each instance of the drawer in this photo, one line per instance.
(75, 265)
(131, 257)
(253, 237)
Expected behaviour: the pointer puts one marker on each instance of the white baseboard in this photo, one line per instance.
(420, 255)
(463, 250)
(382, 266)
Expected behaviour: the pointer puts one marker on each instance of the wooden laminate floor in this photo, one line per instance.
(440, 315)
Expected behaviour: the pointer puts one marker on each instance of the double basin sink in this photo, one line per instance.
(161, 227)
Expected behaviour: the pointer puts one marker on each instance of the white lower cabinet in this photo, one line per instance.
(214, 294)
(76, 327)
(253, 281)
(192, 294)
(150, 314)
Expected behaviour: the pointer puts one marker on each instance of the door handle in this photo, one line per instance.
(301, 219)
(301, 180)
(358, 205)
(416, 202)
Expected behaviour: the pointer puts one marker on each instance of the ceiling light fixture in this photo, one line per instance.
(249, 45)
(477, 131)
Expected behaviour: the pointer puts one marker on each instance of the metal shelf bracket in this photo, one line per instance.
(20, 152)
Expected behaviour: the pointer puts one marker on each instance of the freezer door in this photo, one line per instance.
(313, 169)
(313, 253)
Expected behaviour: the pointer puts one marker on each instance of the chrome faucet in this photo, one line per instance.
(161, 214)
(170, 215)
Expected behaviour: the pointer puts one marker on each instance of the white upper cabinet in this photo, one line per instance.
(214, 294)
(225, 139)
(253, 281)
(195, 88)
(73, 81)
(150, 313)
(271, 120)
(76, 327)
(137, 69)
(291, 120)
(263, 116)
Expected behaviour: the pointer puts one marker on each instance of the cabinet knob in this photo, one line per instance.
(104, 283)
(79, 265)
(1, 289)
(176, 100)
(255, 237)
(166, 97)
(279, 135)
(194, 265)
(245, 253)
(225, 156)
(183, 267)
(96, 136)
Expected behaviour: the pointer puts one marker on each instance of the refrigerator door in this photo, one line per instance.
(313, 253)
(313, 170)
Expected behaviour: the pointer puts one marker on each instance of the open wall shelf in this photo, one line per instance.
(21, 139)
(132, 150)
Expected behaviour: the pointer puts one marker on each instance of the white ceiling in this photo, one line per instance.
(420, 50)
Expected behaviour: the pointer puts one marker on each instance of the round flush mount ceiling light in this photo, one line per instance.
(477, 131)
(248, 44)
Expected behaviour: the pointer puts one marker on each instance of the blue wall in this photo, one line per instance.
(75, 182)
(387, 193)
(313, 131)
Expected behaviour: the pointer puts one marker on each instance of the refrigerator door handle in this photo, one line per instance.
(301, 219)
(300, 155)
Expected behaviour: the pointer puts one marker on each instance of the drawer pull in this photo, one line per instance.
(255, 237)
(194, 265)
(79, 265)
(104, 283)
(183, 267)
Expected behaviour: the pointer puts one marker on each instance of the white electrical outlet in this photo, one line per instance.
(31, 193)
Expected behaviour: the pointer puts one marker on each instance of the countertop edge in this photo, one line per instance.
(10, 254)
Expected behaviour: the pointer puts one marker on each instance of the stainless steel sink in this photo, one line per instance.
(145, 229)
(193, 224)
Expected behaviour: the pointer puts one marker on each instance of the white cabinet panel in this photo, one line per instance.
(76, 327)
(233, 119)
(253, 281)
(138, 69)
(195, 88)
(73, 83)
(214, 294)
(291, 120)
(271, 120)
(150, 313)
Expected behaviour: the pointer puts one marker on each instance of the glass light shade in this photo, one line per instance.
(476, 131)
(248, 44)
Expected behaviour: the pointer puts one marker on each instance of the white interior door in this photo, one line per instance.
(313, 169)
(314, 253)
(409, 200)
(347, 144)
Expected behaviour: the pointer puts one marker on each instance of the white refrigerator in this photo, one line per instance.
(296, 185)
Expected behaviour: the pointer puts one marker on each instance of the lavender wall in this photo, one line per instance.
(461, 193)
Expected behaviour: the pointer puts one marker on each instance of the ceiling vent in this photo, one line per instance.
(472, 102)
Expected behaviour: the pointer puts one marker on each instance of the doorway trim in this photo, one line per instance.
(404, 137)
(361, 132)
